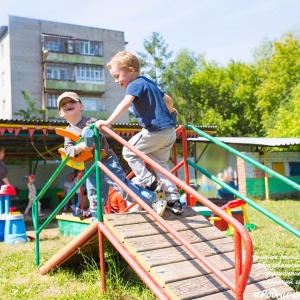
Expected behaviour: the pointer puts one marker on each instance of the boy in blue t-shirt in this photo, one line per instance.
(70, 108)
(155, 113)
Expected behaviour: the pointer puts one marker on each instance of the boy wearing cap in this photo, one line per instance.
(70, 108)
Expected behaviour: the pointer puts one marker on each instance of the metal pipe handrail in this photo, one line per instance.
(170, 229)
(239, 233)
(235, 192)
(245, 157)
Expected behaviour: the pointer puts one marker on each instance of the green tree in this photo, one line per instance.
(153, 62)
(287, 118)
(177, 76)
(225, 96)
(31, 112)
(279, 77)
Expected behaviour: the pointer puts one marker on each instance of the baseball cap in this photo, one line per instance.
(65, 95)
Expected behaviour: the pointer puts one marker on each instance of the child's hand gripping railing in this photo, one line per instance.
(242, 266)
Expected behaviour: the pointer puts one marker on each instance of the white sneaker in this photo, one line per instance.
(159, 206)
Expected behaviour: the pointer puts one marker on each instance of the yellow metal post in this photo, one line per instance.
(266, 175)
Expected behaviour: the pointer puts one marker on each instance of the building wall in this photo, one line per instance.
(25, 59)
(5, 82)
(272, 157)
(255, 182)
(250, 179)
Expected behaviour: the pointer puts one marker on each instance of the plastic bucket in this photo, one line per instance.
(15, 231)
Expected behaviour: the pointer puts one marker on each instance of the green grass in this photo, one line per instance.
(275, 247)
(20, 278)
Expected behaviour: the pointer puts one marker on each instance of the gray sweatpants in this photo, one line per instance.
(157, 146)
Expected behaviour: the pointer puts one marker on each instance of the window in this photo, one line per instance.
(294, 168)
(90, 48)
(89, 74)
(278, 167)
(68, 44)
(54, 43)
(51, 100)
(90, 104)
(60, 72)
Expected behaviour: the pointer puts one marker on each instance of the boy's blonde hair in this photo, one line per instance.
(124, 60)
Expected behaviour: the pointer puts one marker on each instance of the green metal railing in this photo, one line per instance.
(94, 167)
(235, 192)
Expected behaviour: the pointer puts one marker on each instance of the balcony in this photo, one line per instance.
(74, 59)
(51, 85)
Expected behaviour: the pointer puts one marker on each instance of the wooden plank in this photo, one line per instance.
(266, 289)
(126, 218)
(171, 255)
(144, 229)
(190, 268)
(84, 239)
(150, 229)
(205, 285)
(142, 216)
(157, 241)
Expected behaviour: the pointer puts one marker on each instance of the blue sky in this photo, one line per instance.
(219, 29)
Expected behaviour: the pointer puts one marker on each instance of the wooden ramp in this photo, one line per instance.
(85, 244)
(170, 264)
(175, 269)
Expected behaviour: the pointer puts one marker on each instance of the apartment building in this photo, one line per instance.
(47, 58)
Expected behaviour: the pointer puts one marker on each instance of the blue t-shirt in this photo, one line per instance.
(149, 106)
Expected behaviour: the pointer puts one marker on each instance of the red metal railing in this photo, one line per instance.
(241, 235)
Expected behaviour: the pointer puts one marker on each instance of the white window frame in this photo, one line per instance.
(51, 100)
(88, 48)
(89, 74)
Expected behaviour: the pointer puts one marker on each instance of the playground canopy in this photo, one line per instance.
(28, 140)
